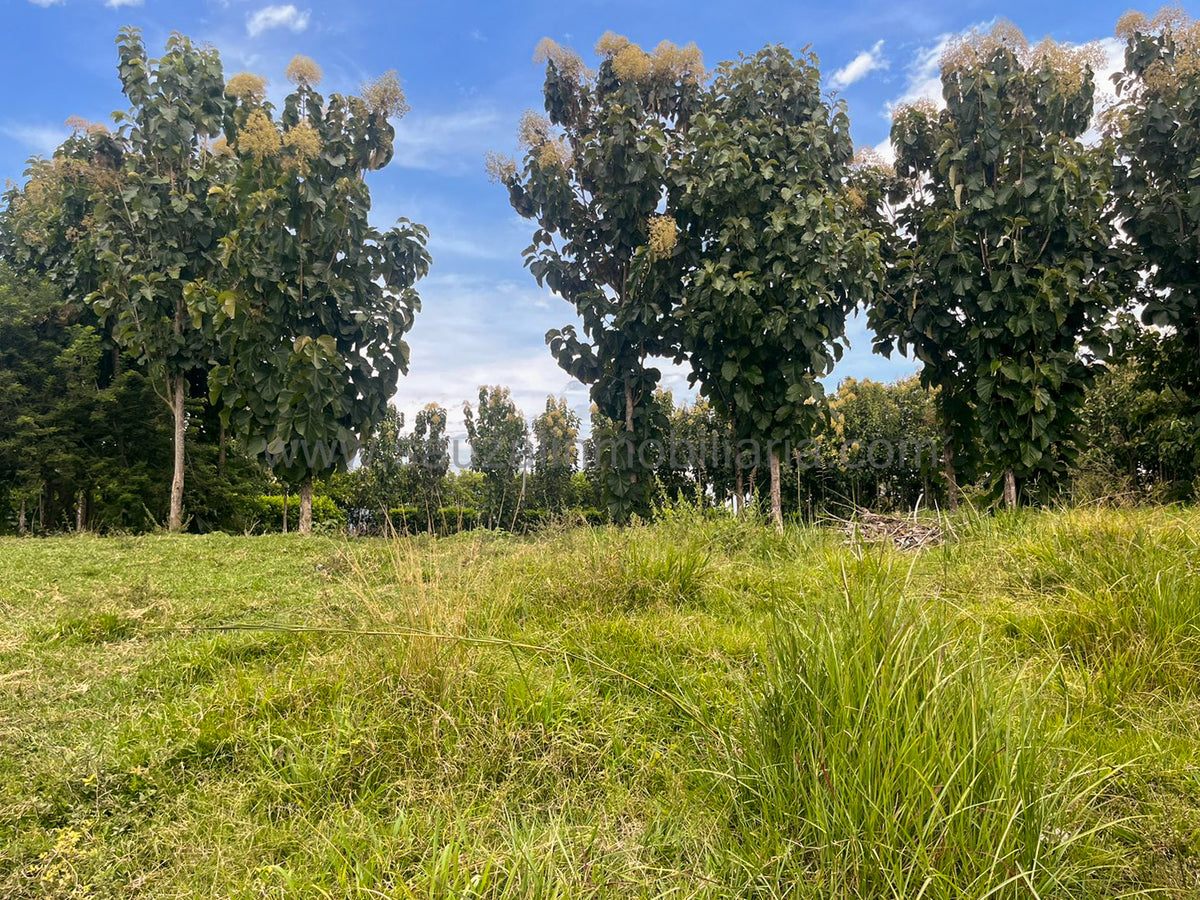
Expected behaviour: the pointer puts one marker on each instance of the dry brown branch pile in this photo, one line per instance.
(906, 532)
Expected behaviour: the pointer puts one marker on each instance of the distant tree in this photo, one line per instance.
(1001, 213)
(882, 442)
(498, 436)
(1156, 126)
(593, 180)
(312, 304)
(429, 457)
(782, 252)
(383, 457)
(556, 433)
(1139, 422)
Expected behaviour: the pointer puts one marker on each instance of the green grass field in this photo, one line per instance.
(697, 708)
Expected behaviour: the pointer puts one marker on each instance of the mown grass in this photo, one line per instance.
(697, 708)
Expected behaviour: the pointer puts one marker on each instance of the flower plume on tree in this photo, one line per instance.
(247, 87)
(1000, 278)
(1155, 125)
(315, 302)
(385, 95)
(593, 174)
(304, 72)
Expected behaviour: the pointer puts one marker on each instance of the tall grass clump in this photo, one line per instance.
(1126, 600)
(880, 760)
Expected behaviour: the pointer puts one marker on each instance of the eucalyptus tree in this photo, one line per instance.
(1001, 288)
(593, 177)
(780, 251)
(498, 436)
(1156, 126)
(313, 302)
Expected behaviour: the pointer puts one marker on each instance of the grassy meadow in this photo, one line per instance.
(696, 708)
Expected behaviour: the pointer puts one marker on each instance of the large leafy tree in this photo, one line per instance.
(1004, 233)
(593, 177)
(1156, 125)
(781, 251)
(498, 436)
(313, 302)
(152, 234)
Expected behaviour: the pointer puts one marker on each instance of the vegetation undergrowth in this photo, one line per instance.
(698, 707)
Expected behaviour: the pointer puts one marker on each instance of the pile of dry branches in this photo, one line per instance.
(907, 533)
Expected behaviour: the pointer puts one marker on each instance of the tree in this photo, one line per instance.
(86, 443)
(781, 251)
(556, 432)
(1156, 125)
(382, 461)
(153, 235)
(429, 456)
(497, 432)
(593, 179)
(1002, 289)
(312, 302)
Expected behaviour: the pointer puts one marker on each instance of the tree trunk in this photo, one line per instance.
(21, 518)
(285, 510)
(80, 511)
(739, 492)
(776, 491)
(221, 452)
(951, 475)
(1010, 489)
(179, 414)
(306, 505)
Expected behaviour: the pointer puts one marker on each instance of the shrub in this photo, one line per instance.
(268, 510)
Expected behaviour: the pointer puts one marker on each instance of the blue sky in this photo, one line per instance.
(468, 72)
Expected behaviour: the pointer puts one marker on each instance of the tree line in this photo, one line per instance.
(211, 262)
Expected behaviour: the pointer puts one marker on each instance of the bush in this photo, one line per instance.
(446, 519)
(268, 510)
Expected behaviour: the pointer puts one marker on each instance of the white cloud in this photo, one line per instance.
(452, 143)
(860, 67)
(117, 4)
(276, 17)
(924, 76)
(46, 3)
(35, 138)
